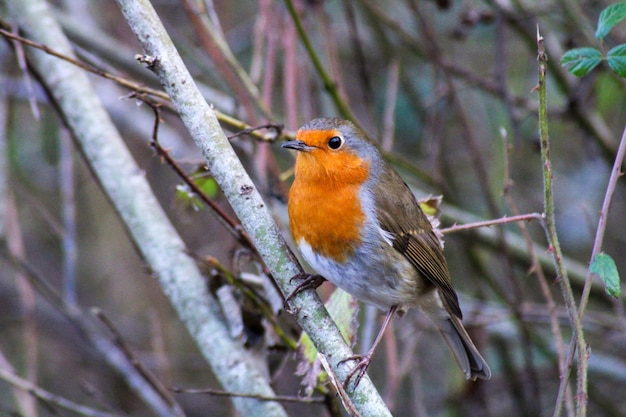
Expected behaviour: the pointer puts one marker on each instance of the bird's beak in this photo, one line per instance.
(297, 145)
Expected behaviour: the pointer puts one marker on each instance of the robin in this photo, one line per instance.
(357, 223)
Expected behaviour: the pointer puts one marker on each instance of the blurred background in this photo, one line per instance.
(447, 89)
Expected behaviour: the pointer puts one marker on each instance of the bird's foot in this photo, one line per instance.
(362, 363)
(309, 282)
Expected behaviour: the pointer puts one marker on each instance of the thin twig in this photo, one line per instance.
(535, 265)
(258, 301)
(21, 60)
(50, 398)
(30, 341)
(68, 201)
(277, 127)
(616, 173)
(329, 84)
(587, 118)
(212, 40)
(119, 341)
(552, 237)
(391, 98)
(89, 68)
(597, 248)
(487, 223)
(220, 393)
(136, 87)
(228, 222)
(85, 324)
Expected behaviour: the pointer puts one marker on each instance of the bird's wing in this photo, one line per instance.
(414, 238)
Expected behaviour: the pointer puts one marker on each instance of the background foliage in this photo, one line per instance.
(446, 86)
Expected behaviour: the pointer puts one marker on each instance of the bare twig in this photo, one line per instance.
(219, 393)
(616, 173)
(597, 248)
(233, 227)
(30, 343)
(119, 341)
(89, 68)
(136, 87)
(277, 127)
(535, 267)
(21, 60)
(487, 223)
(214, 43)
(259, 303)
(391, 98)
(50, 398)
(329, 84)
(68, 198)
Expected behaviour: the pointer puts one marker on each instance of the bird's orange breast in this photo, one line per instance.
(324, 207)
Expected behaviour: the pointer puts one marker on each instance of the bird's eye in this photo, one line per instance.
(335, 142)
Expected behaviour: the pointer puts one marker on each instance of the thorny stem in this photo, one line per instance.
(512, 219)
(552, 237)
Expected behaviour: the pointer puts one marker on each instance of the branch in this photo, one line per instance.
(213, 41)
(516, 244)
(597, 248)
(616, 173)
(201, 122)
(115, 356)
(487, 223)
(50, 398)
(135, 86)
(128, 190)
(218, 393)
(553, 240)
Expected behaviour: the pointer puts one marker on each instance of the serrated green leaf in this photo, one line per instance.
(581, 60)
(604, 267)
(609, 17)
(616, 58)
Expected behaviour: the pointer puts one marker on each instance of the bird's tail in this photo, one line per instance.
(463, 349)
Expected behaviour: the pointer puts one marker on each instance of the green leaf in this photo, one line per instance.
(609, 17)
(604, 267)
(581, 60)
(187, 198)
(208, 185)
(616, 58)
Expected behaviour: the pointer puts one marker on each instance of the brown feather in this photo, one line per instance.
(414, 237)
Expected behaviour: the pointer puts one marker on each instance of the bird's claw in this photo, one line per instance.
(362, 363)
(309, 281)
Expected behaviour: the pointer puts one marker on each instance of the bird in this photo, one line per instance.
(357, 223)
